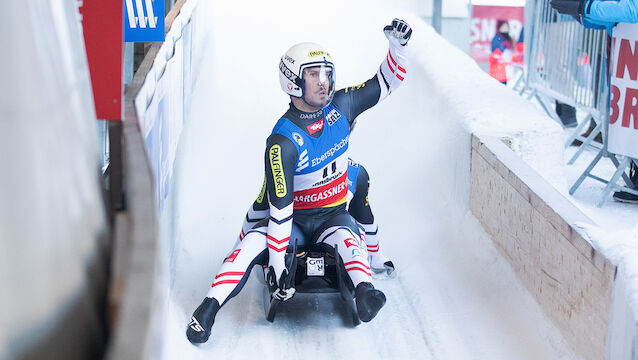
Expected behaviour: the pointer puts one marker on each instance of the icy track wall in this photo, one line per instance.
(534, 227)
(156, 105)
(53, 237)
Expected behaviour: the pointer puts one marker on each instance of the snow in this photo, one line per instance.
(454, 297)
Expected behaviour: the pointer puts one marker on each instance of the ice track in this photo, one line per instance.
(455, 297)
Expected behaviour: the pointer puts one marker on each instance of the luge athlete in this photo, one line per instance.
(306, 163)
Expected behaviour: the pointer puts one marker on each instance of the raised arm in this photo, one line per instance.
(393, 70)
(281, 155)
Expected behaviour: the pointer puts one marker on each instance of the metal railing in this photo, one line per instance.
(567, 62)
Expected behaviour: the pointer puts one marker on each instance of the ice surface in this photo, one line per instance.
(454, 297)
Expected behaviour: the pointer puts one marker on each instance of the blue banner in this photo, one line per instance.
(143, 20)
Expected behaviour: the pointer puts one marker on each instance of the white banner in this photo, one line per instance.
(623, 106)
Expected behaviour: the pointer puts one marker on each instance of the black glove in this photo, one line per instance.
(575, 8)
(399, 30)
(283, 289)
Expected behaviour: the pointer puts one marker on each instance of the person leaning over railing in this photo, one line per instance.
(605, 14)
(599, 14)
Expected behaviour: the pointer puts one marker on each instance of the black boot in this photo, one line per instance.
(369, 301)
(198, 330)
(624, 196)
(566, 114)
(389, 267)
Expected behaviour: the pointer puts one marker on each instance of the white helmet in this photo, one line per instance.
(296, 59)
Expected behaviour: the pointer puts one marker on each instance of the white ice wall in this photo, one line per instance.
(51, 208)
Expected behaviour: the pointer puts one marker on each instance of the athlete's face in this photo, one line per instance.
(317, 85)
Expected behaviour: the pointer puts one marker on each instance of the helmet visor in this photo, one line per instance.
(319, 84)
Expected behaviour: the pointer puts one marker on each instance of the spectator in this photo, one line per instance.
(502, 39)
(502, 46)
(599, 14)
(605, 14)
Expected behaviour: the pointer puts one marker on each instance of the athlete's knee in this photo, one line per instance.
(253, 243)
(349, 241)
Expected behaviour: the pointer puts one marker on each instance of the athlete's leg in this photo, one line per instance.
(228, 282)
(343, 232)
(253, 216)
(258, 211)
(360, 210)
(352, 250)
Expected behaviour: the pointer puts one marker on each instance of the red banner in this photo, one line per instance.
(483, 27)
(102, 24)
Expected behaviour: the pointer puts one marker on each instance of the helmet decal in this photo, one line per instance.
(288, 58)
(287, 72)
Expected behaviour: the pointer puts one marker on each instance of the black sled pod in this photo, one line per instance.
(314, 269)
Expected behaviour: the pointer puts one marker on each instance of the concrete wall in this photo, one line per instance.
(532, 225)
